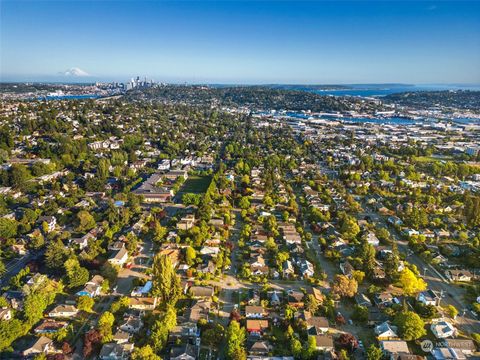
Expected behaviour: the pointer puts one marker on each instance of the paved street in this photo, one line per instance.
(453, 294)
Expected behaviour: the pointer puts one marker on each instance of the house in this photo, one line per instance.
(459, 275)
(446, 353)
(121, 337)
(141, 291)
(386, 331)
(324, 343)
(442, 329)
(82, 242)
(306, 268)
(274, 298)
(51, 222)
(63, 311)
(429, 297)
(383, 299)
(287, 269)
(256, 327)
(48, 326)
(199, 292)
(153, 193)
(253, 298)
(394, 348)
(184, 332)
(172, 252)
(259, 348)
(378, 273)
(376, 316)
(316, 293)
(254, 312)
(119, 257)
(372, 239)
(362, 300)
(316, 325)
(465, 346)
(210, 250)
(5, 314)
(131, 325)
(173, 175)
(40, 345)
(183, 352)
(295, 299)
(114, 351)
(164, 165)
(186, 222)
(347, 268)
(92, 288)
(143, 303)
(207, 267)
(199, 310)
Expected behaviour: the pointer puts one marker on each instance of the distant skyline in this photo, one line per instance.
(241, 42)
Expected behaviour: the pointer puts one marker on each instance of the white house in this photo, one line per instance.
(442, 329)
(119, 258)
(254, 312)
(63, 311)
(306, 268)
(92, 288)
(385, 331)
(429, 297)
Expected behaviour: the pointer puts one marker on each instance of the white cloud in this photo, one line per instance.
(75, 72)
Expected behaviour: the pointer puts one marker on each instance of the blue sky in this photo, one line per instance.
(243, 41)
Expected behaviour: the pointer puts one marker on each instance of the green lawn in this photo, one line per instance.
(195, 184)
(427, 159)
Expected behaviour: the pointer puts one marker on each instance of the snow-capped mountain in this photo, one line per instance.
(75, 71)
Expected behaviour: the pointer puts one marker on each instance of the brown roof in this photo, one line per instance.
(257, 324)
(324, 340)
(250, 309)
(318, 321)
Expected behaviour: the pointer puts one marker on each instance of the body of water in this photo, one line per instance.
(377, 91)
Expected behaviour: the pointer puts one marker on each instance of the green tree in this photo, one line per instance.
(85, 221)
(10, 330)
(8, 228)
(105, 324)
(311, 303)
(410, 325)
(296, 347)
(213, 336)
(244, 203)
(190, 255)
(349, 228)
(360, 313)
(310, 348)
(235, 348)
(166, 283)
(56, 254)
(144, 353)
(451, 311)
(85, 303)
(159, 232)
(344, 287)
(374, 353)
(76, 275)
(162, 326)
(410, 283)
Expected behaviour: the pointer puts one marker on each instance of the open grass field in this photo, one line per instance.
(427, 159)
(196, 184)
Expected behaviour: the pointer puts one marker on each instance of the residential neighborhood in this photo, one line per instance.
(147, 230)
